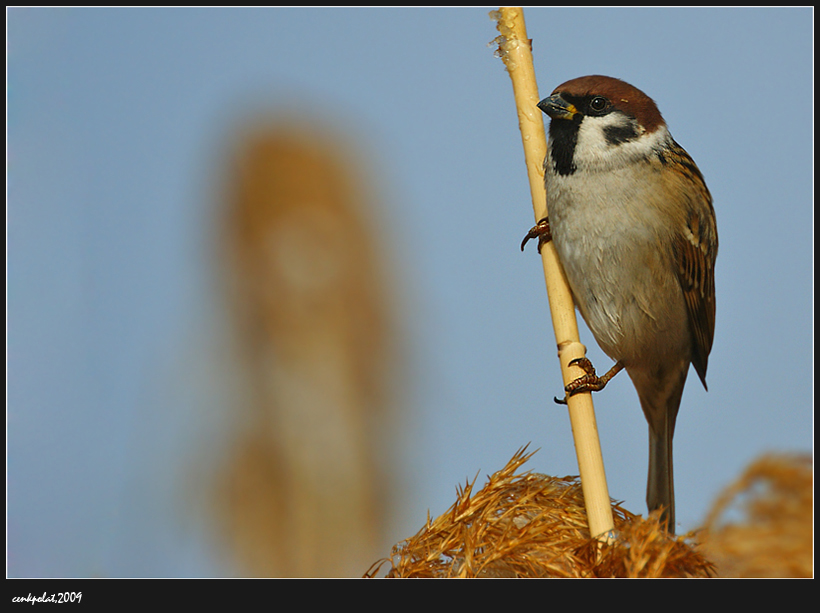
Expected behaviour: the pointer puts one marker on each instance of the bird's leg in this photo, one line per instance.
(541, 231)
(590, 382)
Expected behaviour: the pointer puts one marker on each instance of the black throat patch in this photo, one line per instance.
(563, 139)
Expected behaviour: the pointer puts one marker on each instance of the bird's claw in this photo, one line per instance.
(588, 382)
(541, 231)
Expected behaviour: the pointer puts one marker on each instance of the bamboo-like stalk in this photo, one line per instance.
(516, 51)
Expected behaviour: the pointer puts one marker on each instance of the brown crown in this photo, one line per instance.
(621, 94)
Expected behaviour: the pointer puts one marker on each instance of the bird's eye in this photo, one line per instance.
(598, 103)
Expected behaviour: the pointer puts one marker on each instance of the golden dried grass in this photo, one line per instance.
(533, 525)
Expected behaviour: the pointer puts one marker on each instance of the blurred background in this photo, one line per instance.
(265, 301)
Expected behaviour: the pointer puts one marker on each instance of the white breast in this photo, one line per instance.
(623, 283)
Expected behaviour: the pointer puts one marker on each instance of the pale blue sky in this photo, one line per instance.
(115, 117)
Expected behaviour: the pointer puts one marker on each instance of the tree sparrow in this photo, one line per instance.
(632, 221)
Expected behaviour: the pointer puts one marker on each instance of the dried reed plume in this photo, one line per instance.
(533, 525)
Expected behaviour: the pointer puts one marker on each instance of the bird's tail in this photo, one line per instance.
(660, 487)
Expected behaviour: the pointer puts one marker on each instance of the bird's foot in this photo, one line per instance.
(589, 382)
(541, 231)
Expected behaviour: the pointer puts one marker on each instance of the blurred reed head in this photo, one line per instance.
(762, 525)
(301, 494)
(299, 236)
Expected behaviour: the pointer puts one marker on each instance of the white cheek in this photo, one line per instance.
(594, 153)
(592, 149)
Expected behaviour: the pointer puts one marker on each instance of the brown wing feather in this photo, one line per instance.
(696, 250)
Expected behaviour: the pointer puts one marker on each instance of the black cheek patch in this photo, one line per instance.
(615, 135)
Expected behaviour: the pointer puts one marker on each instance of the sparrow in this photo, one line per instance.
(632, 222)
